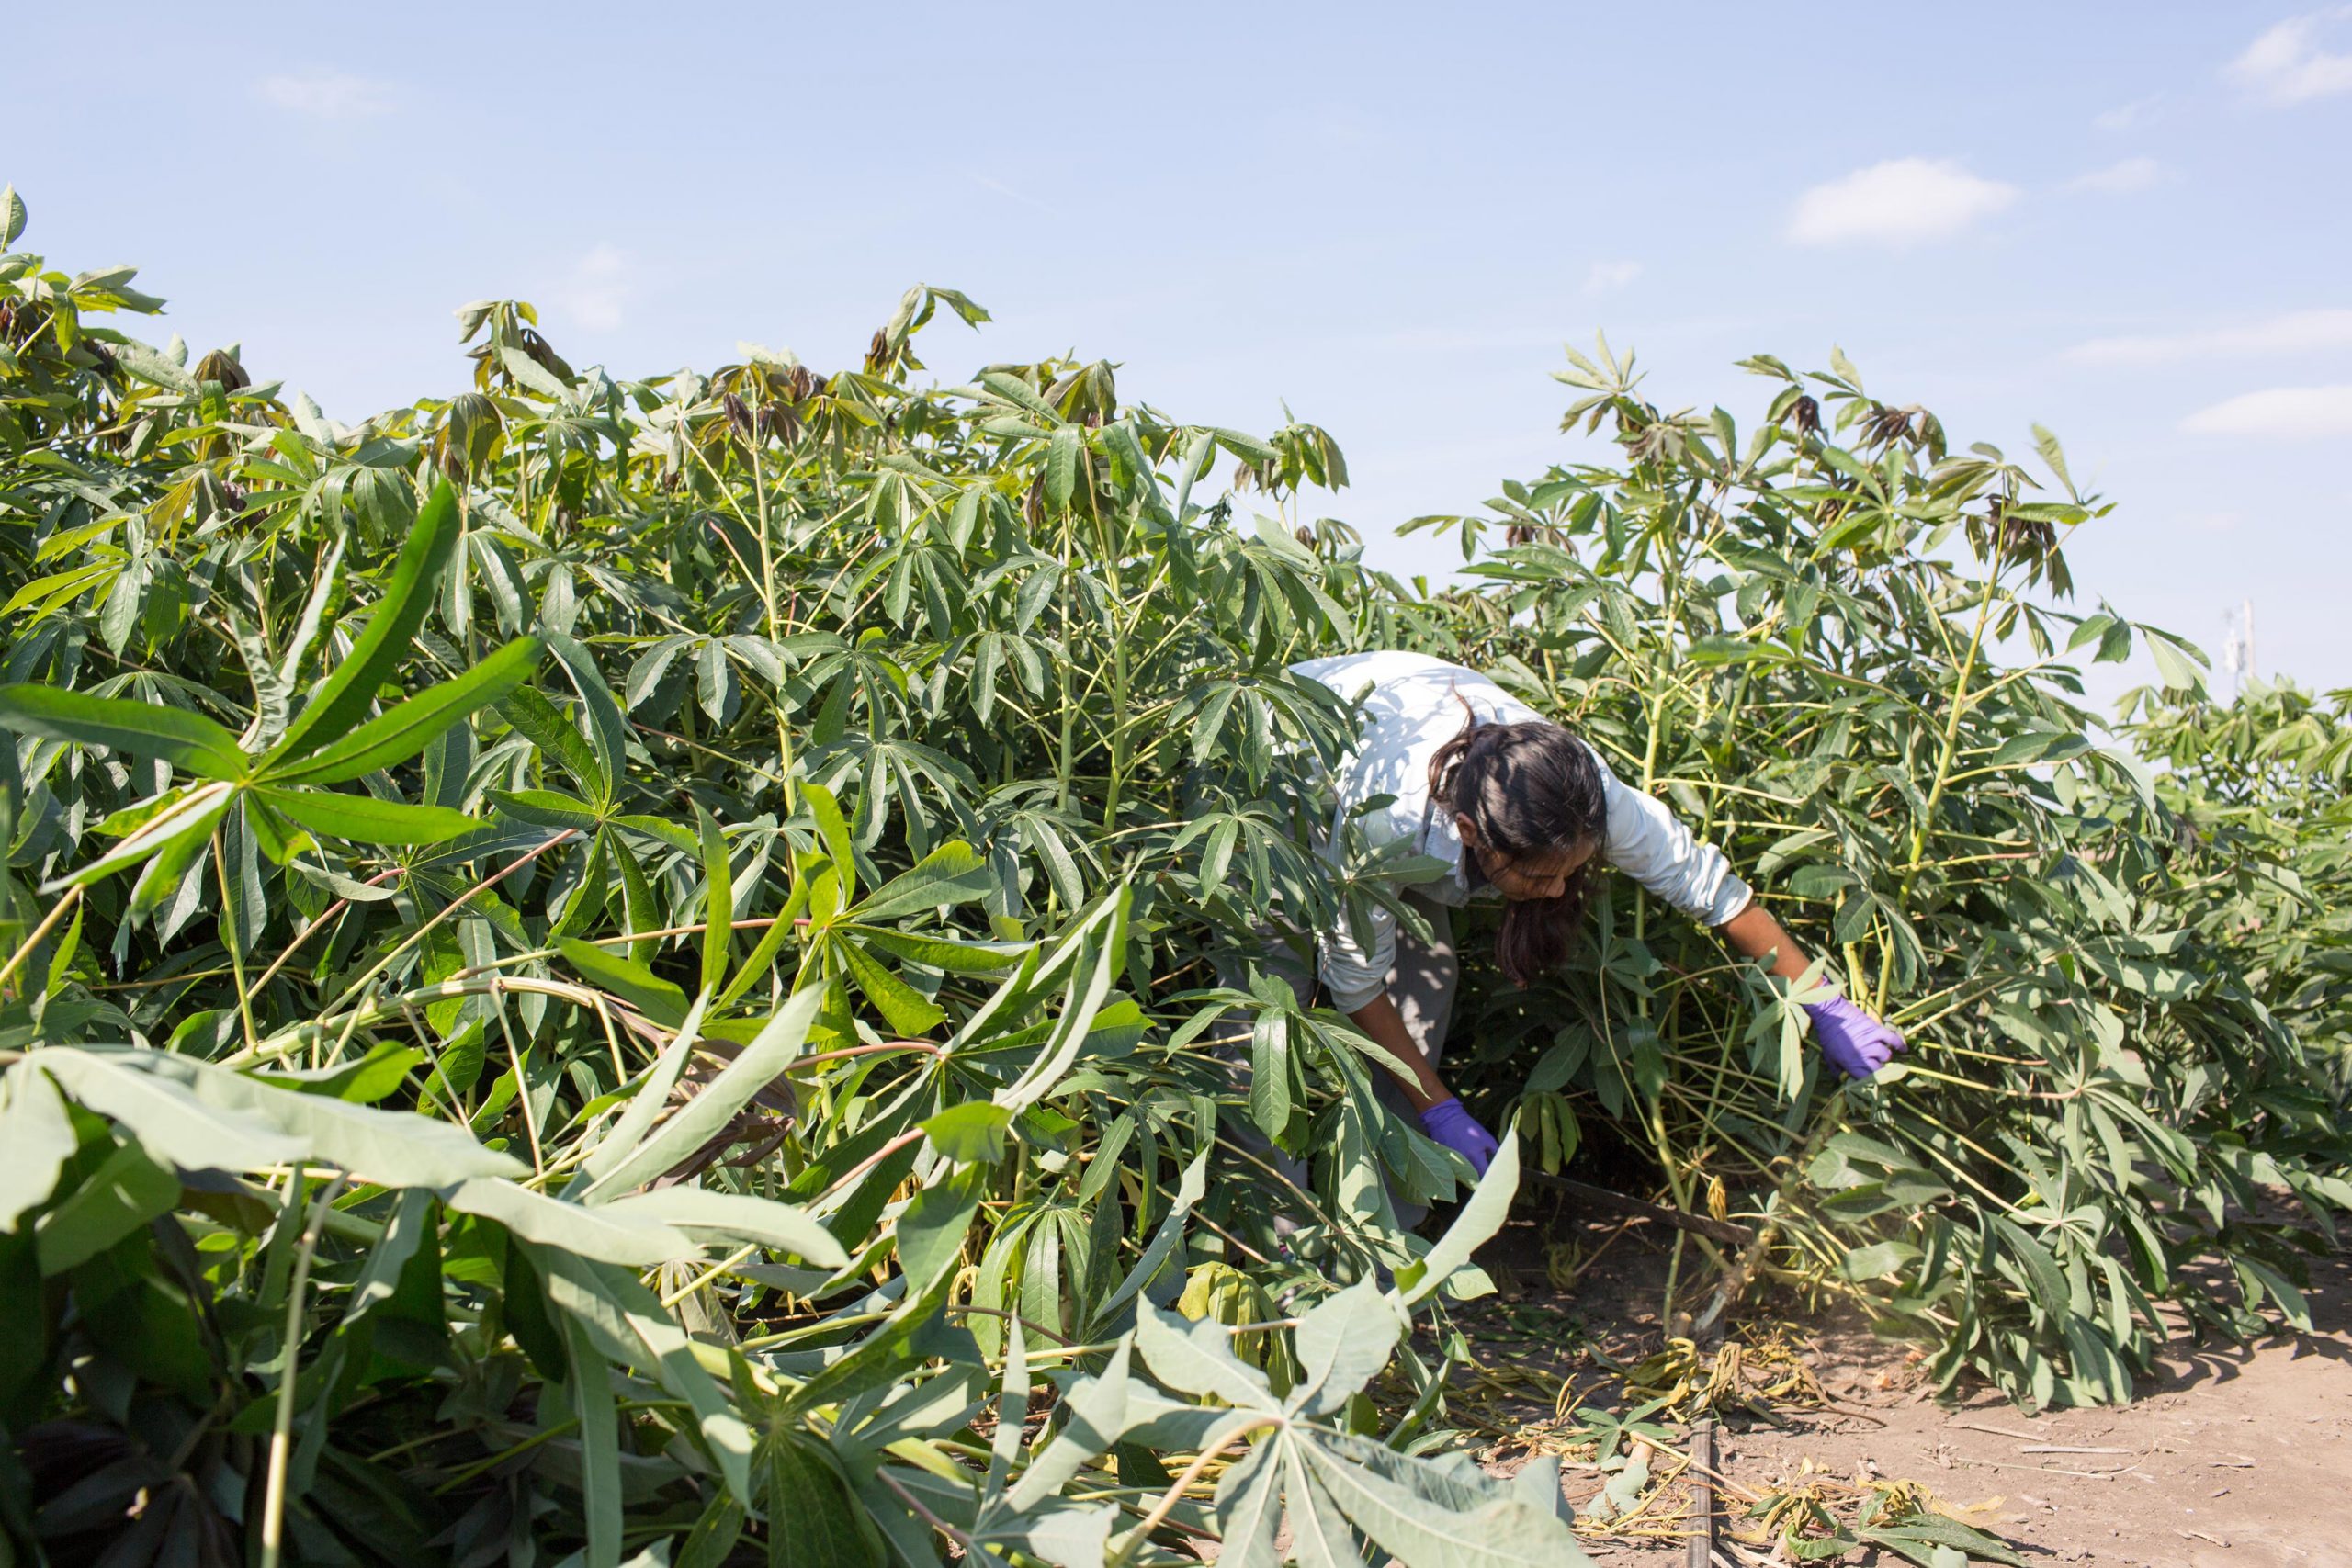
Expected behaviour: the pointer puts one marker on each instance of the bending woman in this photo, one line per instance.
(1515, 806)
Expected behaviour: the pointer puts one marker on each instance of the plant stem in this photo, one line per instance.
(1950, 748)
(49, 922)
(234, 941)
(775, 628)
(740, 1254)
(1183, 1484)
(458, 903)
(281, 1431)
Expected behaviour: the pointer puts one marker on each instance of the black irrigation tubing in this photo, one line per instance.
(1699, 1225)
(1702, 1515)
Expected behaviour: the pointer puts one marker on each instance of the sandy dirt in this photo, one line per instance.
(2237, 1455)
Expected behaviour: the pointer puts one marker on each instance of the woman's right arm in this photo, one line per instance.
(1355, 974)
(1385, 1027)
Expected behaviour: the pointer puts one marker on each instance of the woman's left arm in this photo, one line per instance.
(1654, 847)
(1856, 1043)
(1754, 933)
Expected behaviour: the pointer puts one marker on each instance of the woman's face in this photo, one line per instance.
(1521, 877)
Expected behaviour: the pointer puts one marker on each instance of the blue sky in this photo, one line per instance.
(2127, 221)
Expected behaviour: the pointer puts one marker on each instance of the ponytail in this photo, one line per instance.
(1530, 789)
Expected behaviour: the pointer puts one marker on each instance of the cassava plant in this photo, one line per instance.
(594, 967)
(616, 967)
(1840, 645)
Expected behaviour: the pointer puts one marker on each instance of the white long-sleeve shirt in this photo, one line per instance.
(1413, 705)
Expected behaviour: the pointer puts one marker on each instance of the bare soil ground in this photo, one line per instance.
(2235, 1455)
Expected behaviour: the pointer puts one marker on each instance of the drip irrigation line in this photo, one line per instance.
(1697, 1224)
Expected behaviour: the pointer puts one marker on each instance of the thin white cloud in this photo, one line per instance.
(1903, 201)
(2117, 179)
(2279, 413)
(2296, 331)
(998, 187)
(595, 291)
(2123, 117)
(1608, 274)
(2288, 65)
(326, 94)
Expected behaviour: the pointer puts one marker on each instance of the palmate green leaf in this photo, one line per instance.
(665, 831)
(167, 842)
(1094, 943)
(1250, 1506)
(1917, 1539)
(1270, 1073)
(395, 1148)
(1162, 1246)
(930, 1231)
(2042, 1271)
(405, 730)
(713, 1539)
(591, 1387)
(737, 1218)
(596, 1233)
(627, 1323)
(718, 901)
(122, 1196)
(402, 1233)
(2180, 663)
(1195, 1357)
(362, 1081)
(1068, 1535)
(1480, 1218)
(657, 999)
(547, 808)
(1065, 450)
(637, 897)
(1096, 1412)
(607, 726)
(1320, 1534)
(833, 831)
(365, 820)
(901, 1005)
(557, 739)
(953, 873)
(883, 1356)
(1342, 1344)
(199, 1116)
(812, 1521)
(1423, 1516)
(1244, 446)
(188, 740)
(649, 1099)
(36, 1138)
(959, 956)
(337, 706)
(757, 1066)
(970, 1134)
(147, 1094)
(1015, 390)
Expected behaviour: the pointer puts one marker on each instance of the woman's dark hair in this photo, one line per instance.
(1530, 789)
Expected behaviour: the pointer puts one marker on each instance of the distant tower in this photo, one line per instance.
(2237, 647)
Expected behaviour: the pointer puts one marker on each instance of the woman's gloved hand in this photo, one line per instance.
(1855, 1043)
(1454, 1127)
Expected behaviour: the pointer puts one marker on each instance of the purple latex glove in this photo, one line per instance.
(1855, 1043)
(1450, 1125)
